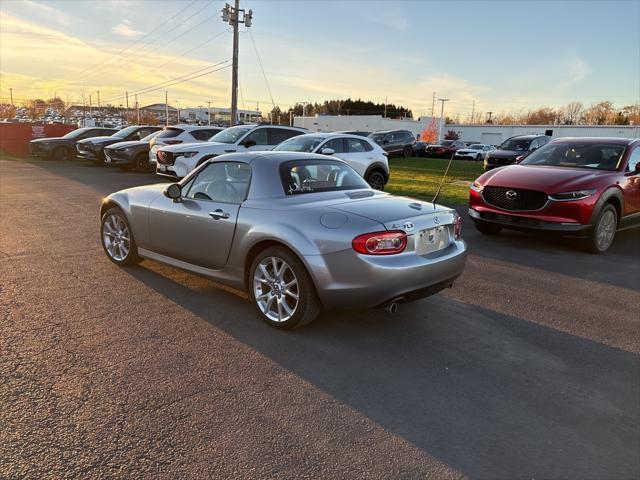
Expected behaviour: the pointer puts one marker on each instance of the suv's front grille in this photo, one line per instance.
(515, 199)
(165, 158)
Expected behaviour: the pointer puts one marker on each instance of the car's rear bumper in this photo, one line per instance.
(347, 280)
(38, 151)
(528, 223)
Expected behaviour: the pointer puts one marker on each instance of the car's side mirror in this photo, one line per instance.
(384, 142)
(248, 143)
(533, 149)
(173, 191)
(328, 151)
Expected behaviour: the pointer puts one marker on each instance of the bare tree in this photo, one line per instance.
(572, 113)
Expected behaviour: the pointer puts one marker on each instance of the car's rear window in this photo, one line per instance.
(308, 176)
(170, 132)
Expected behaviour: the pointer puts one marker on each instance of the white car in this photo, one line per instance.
(179, 160)
(361, 153)
(180, 134)
(477, 151)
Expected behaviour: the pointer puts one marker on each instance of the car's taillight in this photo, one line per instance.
(380, 243)
(457, 228)
(173, 142)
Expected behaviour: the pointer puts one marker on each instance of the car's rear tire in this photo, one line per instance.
(61, 154)
(376, 180)
(488, 228)
(282, 290)
(142, 164)
(117, 239)
(604, 230)
(407, 152)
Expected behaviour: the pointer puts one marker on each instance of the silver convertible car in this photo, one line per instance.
(299, 231)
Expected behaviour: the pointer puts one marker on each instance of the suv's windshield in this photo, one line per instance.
(75, 133)
(151, 136)
(308, 176)
(516, 144)
(125, 132)
(475, 147)
(302, 143)
(231, 134)
(600, 156)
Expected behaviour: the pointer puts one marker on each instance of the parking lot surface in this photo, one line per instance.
(528, 367)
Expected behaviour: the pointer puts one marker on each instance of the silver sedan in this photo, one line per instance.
(300, 232)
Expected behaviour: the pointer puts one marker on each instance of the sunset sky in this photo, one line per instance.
(505, 55)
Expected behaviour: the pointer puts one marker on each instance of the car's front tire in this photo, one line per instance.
(61, 154)
(117, 239)
(282, 290)
(142, 164)
(407, 152)
(604, 230)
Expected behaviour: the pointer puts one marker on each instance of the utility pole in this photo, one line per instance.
(385, 107)
(473, 110)
(90, 114)
(304, 108)
(11, 95)
(234, 16)
(98, 99)
(433, 103)
(166, 107)
(489, 113)
(137, 109)
(291, 118)
(209, 112)
(442, 115)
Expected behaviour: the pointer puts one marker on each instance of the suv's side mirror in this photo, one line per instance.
(328, 151)
(385, 141)
(248, 143)
(173, 191)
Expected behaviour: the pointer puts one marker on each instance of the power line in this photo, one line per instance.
(262, 68)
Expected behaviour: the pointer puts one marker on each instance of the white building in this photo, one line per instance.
(201, 114)
(365, 123)
(496, 134)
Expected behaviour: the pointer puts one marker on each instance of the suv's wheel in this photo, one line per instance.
(142, 164)
(407, 152)
(376, 180)
(604, 230)
(488, 228)
(282, 290)
(478, 157)
(117, 238)
(61, 154)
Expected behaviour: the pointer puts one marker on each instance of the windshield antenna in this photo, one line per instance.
(441, 183)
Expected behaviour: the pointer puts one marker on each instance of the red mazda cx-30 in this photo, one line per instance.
(587, 187)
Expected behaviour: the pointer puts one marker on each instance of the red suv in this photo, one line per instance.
(588, 187)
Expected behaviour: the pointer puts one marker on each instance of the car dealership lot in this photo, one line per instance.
(528, 367)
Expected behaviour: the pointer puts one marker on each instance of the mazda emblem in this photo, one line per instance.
(511, 194)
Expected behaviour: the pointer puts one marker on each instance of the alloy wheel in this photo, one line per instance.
(116, 237)
(276, 290)
(376, 181)
(606, 230)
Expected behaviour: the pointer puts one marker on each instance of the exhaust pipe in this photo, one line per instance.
(392, 306)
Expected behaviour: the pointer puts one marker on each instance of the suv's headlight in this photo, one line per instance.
(568, 196)
(186, 154)
(476, 187)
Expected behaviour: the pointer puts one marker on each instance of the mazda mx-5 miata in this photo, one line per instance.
(298, 231)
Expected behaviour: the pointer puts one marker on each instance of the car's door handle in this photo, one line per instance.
(218, 214)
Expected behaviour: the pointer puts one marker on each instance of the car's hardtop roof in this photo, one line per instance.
(391, 131)
(329, 135)
(276, 157)
(526, 137)
(193, 127)
(594, 140)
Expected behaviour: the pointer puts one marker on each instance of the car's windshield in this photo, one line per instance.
(446, 143)
(475, 147)
(151, 136)
(308, 176)
(515, 144)
(302, 143)
(600, 156)
(231, 134)
(125, 132)
(377, 137)
(75, 133)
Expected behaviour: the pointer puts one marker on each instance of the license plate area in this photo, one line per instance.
(432, 239)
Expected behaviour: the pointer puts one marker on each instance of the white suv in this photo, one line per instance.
(366, 157)
(179, 160)
(180, 134)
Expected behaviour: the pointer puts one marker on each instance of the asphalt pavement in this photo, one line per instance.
(528, 367)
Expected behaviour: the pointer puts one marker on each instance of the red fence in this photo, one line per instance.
(14, 137)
